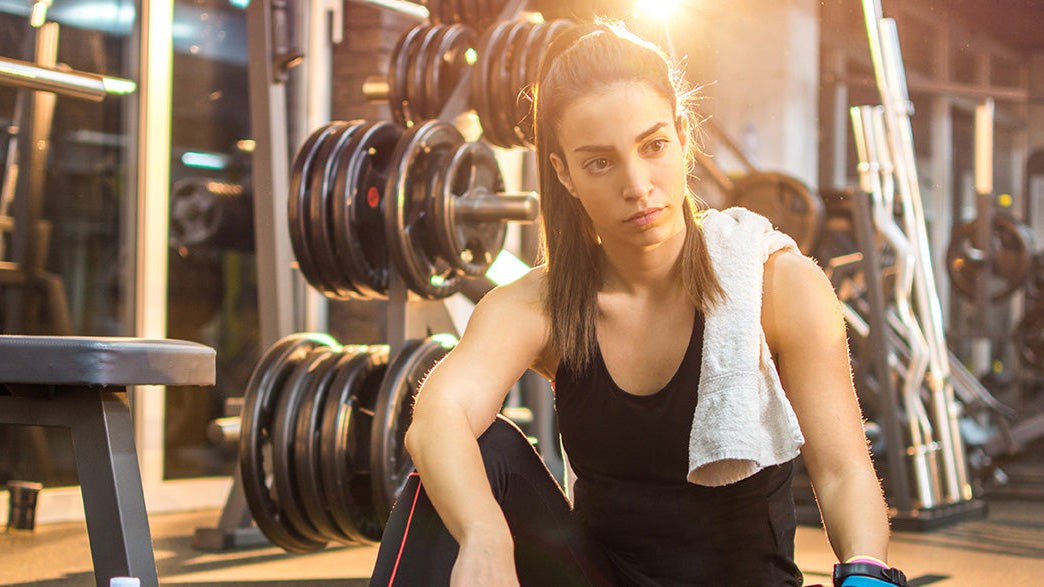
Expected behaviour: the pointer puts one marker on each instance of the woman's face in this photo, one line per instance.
(623, 158)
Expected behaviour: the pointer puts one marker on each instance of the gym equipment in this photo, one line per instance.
(321, 437)
(344, 441)
(910, 346)
(64, 81)
(368, 196)
(478, 14)
(426, 65)
(256, 438)
(1000, 267)
(787, 202)
(1029, 339)
(885, 54)
(206, 212)
(80, 383)
(465, 217)
(1035, 285)
(508, 63)
(389, 462)
(791, 206)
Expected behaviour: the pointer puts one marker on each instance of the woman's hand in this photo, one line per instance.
(487, 560)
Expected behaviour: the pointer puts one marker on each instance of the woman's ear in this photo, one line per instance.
(681, 123)
(562, 171)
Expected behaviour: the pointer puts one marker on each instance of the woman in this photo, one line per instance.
(617, 319)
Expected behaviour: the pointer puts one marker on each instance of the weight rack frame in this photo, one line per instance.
(406, 316)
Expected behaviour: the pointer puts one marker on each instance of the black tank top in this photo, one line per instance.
(630, 455)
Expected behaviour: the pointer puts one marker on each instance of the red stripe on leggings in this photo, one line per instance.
(404, 534)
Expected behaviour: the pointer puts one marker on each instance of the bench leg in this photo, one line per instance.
(110, 482)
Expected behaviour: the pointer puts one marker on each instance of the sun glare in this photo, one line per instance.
(657, 8)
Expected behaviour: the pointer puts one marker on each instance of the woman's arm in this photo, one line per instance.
(806, 332)
(457, 402)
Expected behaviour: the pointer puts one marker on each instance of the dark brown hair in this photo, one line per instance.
(580, 61)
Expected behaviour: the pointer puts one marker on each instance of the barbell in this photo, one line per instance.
(444, 212)
(366, 197)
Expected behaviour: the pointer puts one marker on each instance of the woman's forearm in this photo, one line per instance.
(854, 514)
(446, 454)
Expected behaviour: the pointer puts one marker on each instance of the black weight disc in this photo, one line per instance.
(1001, 270)
(493, 126)
(1035, 291)
(284, 418)
(194, 213)
(505, 90)
(345, 445)
(423, 63)
(786, 202)
(301, 173)
(420, 155)
(471, 173)
(307, 441)
(320, 221)
(1029, 339)
(389, 462)
(480, 76)
(446, 71)
(398, 74)
(259, 400)
(527, 72)
(359, 224)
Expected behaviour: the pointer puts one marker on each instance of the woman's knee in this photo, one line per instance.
(506, 450)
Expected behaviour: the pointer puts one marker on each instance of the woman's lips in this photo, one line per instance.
(645, 216)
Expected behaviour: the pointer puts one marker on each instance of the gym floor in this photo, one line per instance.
(1004, 548)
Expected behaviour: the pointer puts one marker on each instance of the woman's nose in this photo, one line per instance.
(638, 180)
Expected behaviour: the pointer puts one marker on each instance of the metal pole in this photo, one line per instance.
(888, 69)
(270, 172)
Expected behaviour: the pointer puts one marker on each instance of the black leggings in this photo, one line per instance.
(551, 547)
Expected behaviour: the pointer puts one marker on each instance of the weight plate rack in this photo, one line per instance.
(404, 210)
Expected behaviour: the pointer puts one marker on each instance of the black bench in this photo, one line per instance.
(80, 383)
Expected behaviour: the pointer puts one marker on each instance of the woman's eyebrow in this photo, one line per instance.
(642, 135)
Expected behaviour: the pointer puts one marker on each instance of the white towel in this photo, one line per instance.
(743, 420)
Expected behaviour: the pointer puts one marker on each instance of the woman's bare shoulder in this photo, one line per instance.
(798, 298)
(516, 311)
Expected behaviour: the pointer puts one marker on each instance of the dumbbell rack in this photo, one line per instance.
(406, 318)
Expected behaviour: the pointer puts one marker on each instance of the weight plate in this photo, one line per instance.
(492, 126)
(786, 202)
(359, 227)
(259, 399)
(423, 66)
(507, 87)
(1036, 279)
(1029, 339)
(344, 449)
(527, 72)
(447, 70)
(480, 76)
(194, 213)
(389, 461)
(1000, 271)
(398, 74)
(320, 230)
(471, 173)
(306, 443)
(420, 155)
(283, 436)
(297, 204)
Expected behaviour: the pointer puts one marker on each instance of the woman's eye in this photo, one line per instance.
(655, 146)
(598, 164)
